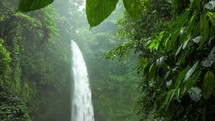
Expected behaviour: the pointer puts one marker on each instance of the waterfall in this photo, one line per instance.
(82, 109)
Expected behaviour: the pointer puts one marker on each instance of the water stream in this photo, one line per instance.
(82, 109)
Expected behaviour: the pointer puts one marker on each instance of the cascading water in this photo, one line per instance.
(82, 109)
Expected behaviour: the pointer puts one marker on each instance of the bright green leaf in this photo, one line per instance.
(211, 16)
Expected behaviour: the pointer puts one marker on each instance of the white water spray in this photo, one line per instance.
(82, 109)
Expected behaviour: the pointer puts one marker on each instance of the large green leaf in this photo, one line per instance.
(98, 10)
(31, 5)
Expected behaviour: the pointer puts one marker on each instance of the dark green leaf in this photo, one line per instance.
(190, 72)
(190, 82)
(195, 4)
(152, 71)
(178, 82)
(181, 76)
(208, 84)
(178, 24)
(204, 27)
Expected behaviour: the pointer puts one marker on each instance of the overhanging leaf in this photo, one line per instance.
(132, 7)
(98, 10)
(31, 5)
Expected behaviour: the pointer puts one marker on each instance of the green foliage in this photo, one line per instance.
(176, 54)
(103, 8)
(208, 85)
(12, 108)
(33, 58)
(5, 59)
(173, 59)
(99, 8)
(29, 5)
(5, 68)
(113, 84)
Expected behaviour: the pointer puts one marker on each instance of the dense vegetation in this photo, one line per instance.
(32, 59)
(176, 58)
(36, 60)
(170, 43)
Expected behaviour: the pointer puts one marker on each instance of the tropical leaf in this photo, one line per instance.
(178, 24)
(210, 59)
(152, 71)
(181, 76)
(204, 27)
(179, 80)
(31, 5)
(169, 97)
(211, 16)
(192, 81)
(178, 51)
(208, 84)
(190, 72)
(99, 10)
(168, 44)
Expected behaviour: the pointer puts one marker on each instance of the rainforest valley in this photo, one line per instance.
(147, 60)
